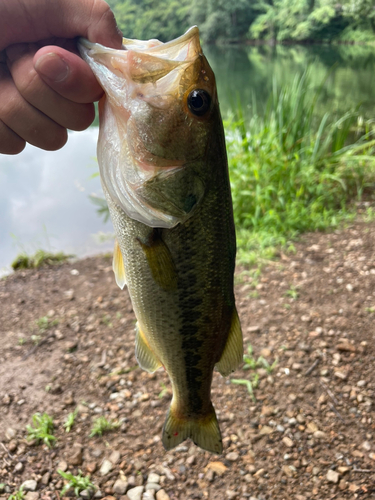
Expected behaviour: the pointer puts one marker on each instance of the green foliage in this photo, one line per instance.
(70, 419)
(42, 429)
(220, 20)
(78, 482)
(17, 495)
(292, 173)
(44, 323)
(102, 425)
(250, 384)
(39, 259)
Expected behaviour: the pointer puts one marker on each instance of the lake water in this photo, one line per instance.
(44, 196)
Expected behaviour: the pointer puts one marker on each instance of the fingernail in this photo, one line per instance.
(52, 67)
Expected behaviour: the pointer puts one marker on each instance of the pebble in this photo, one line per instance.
(218, 467)
(76, 458)
(62, 466)
(153, 486)
(120, 487)
(19, 467)
(153, 478)
(46, 478)
(288, 442)
(233, 456)
(86, 494)
(32, 495)
(135, 493)
(264, 431)
(29, 485)
(106, 467)
(341, 375)
(230, 494)
(115, 457)
(333, 476)
(148, 495)
(162, 495)
(320, 435)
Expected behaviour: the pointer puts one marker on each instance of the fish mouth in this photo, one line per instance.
(182, 49)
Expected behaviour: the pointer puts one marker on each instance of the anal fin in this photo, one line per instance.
(118, 266)
(145, 357)
(233, 351)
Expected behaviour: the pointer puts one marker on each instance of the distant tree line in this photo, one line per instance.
(241, 20)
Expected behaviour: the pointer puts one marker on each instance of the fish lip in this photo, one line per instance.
(141, 46)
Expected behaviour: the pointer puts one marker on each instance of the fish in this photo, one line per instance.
(164, 172)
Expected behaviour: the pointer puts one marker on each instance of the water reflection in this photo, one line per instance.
(44, 200)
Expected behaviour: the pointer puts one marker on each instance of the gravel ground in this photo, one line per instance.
(306, 432)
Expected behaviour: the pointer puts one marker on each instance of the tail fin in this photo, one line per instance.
(203, 431)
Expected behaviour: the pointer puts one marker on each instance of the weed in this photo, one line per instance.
(164, 391)
(292, 293)
(44, 323)
(250, 384)
(69, 422)
(269, 368)
(17, 495)
(106, 320)
(21, 341)
(101, 425)
(40, 258)
(78, 482)
(42, 429)
(291, 173)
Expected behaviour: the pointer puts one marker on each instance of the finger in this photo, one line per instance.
(25, 120)
(40, 95)
(10, 142)
(30, 21)
(67, 74)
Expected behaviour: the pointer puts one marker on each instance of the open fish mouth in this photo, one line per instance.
(147, 127)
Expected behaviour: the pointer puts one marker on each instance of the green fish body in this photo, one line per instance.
(175, 245)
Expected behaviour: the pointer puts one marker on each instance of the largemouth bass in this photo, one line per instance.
(163, 166)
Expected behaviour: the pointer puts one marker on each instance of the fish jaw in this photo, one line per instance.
(149, 137)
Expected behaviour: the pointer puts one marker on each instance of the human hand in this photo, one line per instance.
(45, 87)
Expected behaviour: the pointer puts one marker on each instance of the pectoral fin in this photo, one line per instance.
(160, 260)
(145, 357)
(118, 266)
(233, 351)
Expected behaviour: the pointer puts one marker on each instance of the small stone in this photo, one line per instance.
(288, 471)
(218, 467)
(32, 495)
(230, 494)
(153, 486)
(29, 485)
(312, 427)
(253, 329)
(288, 442)
(333, 476)
(86, 494)
(69, 294)
(353, 487)
(259, 473)
(341, 375)
(346, 347)
(18, 467)
(135, 493)
(106, 467)
(12, 446)
(366, 445)
(210, 475)
(120, 487)
(10, 433)
(232, 456)
(162, 495)
(320, 435)
(265, 430)
(76, 457)
(292, 397)
(46, 478)
(153, 478)
(148, 495)
(342, 484)
(190, 460)
(343, 470)
(91, 467)
(115, 457)
(62, 466)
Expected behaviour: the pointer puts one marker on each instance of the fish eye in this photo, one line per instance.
(199, 102)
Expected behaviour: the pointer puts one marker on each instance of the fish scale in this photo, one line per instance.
(179, 274)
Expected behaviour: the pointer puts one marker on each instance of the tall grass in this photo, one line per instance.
(292, 172)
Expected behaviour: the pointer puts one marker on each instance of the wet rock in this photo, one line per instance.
(29, 485)
(106, 467)
(333, 476)
(135, 493)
